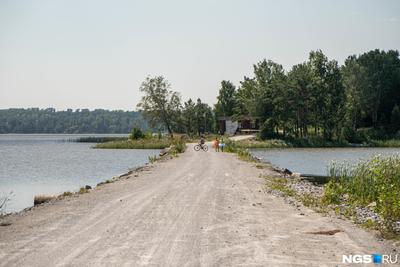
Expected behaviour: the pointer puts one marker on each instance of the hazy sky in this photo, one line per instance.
(95, 54)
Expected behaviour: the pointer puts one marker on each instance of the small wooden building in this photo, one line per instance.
(241, 125)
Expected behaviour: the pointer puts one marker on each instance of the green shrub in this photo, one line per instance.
(136, 134)
(83, 190)
(152, 159)
(333, 192)
(178, 146)
(67, 194)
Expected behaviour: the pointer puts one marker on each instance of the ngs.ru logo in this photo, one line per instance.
(371, 258)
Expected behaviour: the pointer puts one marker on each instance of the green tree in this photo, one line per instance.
(203, 117)
(302, 98)
(383, 90)
(328, 93)
(395, 119)
(354, 82)
(226, 99)
(189, 117)
(159, 104)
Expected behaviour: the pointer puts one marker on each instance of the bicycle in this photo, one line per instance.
(200, 146)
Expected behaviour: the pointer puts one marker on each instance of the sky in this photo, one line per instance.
(95, 54)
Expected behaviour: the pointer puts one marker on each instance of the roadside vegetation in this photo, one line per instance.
(146, 140)
(367, 192)
(242, 153)
(152, 143)
(373, 184)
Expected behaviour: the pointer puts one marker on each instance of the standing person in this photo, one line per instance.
(216, 144)
(222, 145)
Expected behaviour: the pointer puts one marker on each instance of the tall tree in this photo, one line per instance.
(189, 117)
(300, 88)
(226, 99)
(328, 92)
(354, 82)
(383, 90)
(159, 104)
(203, 117)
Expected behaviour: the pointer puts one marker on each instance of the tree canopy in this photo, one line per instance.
(319, 97)
(160, 105)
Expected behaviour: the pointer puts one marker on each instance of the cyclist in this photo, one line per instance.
(202, 141)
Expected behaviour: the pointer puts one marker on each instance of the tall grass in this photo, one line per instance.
(270, 143)
(385, 143)
(98, 139)
(234, 147)
(153, 143)
(374, 182)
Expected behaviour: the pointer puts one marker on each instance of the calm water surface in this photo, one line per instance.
(317, 160)
(46, 164)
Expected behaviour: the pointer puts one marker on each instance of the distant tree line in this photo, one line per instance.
(357, 100)
(35, 120)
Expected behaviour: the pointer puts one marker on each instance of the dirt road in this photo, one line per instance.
(200, 209)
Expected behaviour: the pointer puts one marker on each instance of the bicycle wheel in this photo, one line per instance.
(205, 148)
(196, 147)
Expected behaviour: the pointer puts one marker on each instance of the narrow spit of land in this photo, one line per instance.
(200, 209)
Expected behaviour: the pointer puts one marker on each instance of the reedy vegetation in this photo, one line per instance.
(374, 182)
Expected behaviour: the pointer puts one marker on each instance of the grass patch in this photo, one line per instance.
(312, 201)
(67, 194)
(152, 159)
(243, 154)
(280, 184)
(384, 143)
(83, 190)
(153, 143)
(105, 182)
(271, 143)
(98, 139)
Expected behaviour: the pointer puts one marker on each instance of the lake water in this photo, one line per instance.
(45, 164)
(317, 160)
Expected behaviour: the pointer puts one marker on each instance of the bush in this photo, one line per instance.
(136, 134)
(83, 190)
(333, 193)
(178, 146)
(374, 181)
